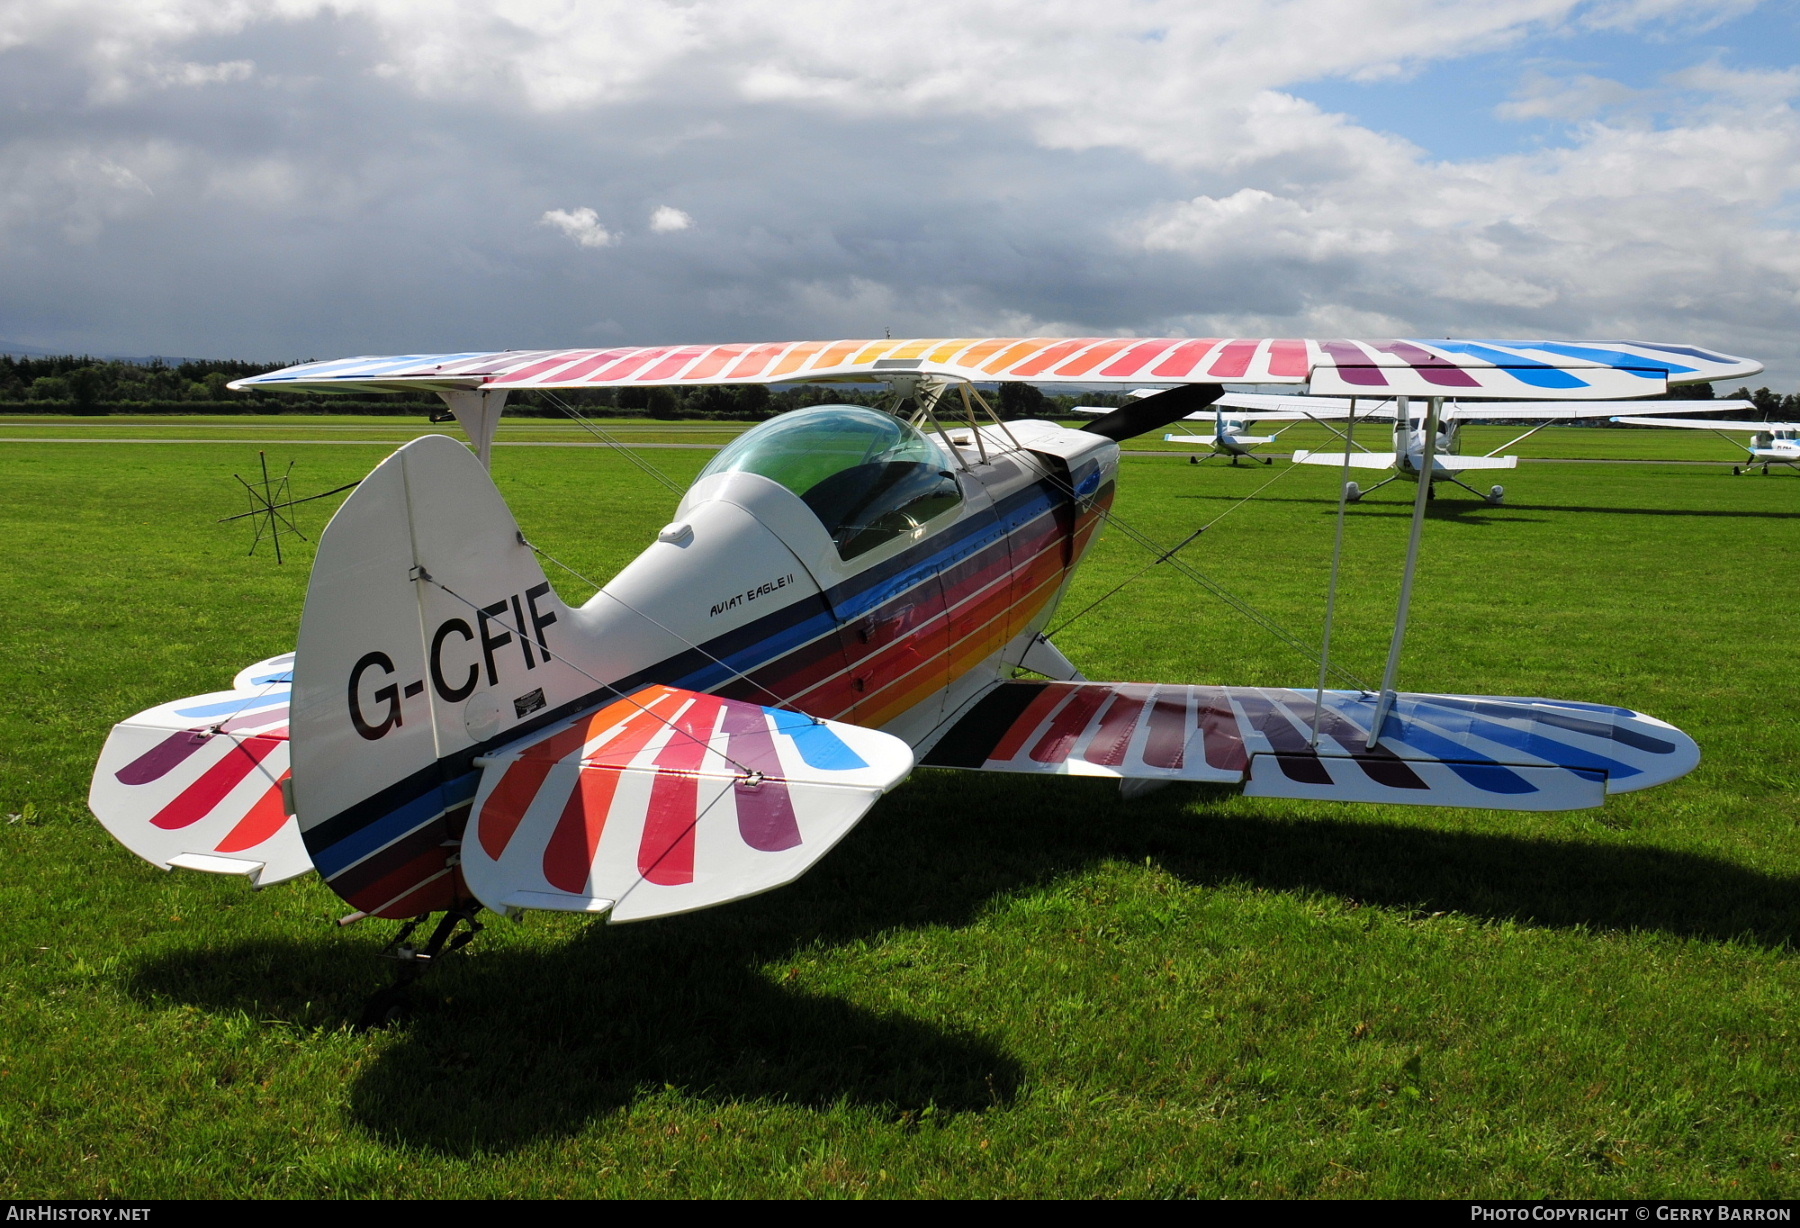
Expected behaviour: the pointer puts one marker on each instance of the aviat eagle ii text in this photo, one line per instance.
(843, 593)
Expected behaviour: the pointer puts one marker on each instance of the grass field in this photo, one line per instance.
(995, 986)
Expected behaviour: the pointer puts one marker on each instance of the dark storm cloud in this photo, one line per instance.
(295, 186)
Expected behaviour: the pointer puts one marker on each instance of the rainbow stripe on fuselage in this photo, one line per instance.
(870, 649)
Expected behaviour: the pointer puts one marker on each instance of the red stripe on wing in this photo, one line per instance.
(666, 852)
(1059, 739)
(264, 820)
(197, 800)
(1116, 728)
(569, 857)
(1182, 358)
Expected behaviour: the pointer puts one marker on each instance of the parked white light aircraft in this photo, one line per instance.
(1229, 438)
(843, 593)
(1230, 435)
(1408, 454)
(1771, 443)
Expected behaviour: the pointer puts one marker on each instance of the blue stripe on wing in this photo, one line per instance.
(1525, 370)
(1480, 770)
(240, 704)
(1538, 745)
(1637, 364)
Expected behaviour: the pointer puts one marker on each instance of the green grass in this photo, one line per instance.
(996, 986)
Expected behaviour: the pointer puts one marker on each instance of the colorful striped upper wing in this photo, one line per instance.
(1563, 370)
(1435, 750)
(667, 801)
(197, 783)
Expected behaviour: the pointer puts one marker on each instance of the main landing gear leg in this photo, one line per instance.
(1489, 498)
(455, 930)
(1364, 494)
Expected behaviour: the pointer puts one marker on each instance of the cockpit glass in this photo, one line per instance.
(868, 476)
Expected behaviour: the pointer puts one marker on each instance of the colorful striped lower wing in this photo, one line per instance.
(1435, 750)
(196, 783)
(669, 801)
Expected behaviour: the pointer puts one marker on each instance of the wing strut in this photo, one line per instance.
(1337, 557)
(1434, 406)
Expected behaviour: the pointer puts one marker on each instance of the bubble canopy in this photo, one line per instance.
(868, 476)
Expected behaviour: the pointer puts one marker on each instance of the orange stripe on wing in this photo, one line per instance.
(1094, 357)
(870, 352)
(714, 361)
(1017, 351)
(569, 857)
(505, 807)
(918, 349)
(1051, 356)
(956, 345)
(265, 819)
(755, 361)
(835, 354)
(797, 356)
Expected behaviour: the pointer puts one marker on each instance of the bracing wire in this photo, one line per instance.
(1162, 555)
(607, 439)
(736, 673)
(1337, 558)
(605, 686)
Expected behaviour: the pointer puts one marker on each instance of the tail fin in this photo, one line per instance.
(426, 638)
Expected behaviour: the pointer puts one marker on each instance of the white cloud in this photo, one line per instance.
(1542, 96)
(582, 225)
(1042, 165)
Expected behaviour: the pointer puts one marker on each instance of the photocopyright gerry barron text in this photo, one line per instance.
(1659, 1213)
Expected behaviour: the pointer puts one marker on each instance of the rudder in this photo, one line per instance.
(426, 638)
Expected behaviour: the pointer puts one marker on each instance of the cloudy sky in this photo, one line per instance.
(290, 179)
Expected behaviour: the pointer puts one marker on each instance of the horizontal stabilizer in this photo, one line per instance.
(1212, 440)
(667, 801)
(197, 783)
(1435, 750)
(1358, 460)
(1462, 464)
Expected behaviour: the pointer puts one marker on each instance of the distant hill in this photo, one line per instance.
(14, 349)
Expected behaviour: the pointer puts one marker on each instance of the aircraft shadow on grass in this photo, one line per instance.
(507, 1045)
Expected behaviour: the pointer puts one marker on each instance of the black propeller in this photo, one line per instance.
(1141, 417)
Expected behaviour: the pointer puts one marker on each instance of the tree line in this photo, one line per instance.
(75, 384)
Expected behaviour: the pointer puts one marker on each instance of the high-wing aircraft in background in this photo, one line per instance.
(1231, 436)
(1407, 456)
(843, 593)
(1771, 443)
(1231, 432)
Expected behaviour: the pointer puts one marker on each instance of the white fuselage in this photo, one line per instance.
(1409, 448)
(1233, 437)
(1779, 447)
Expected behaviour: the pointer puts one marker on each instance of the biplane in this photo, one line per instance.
(1771, 443)
(843, 594)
